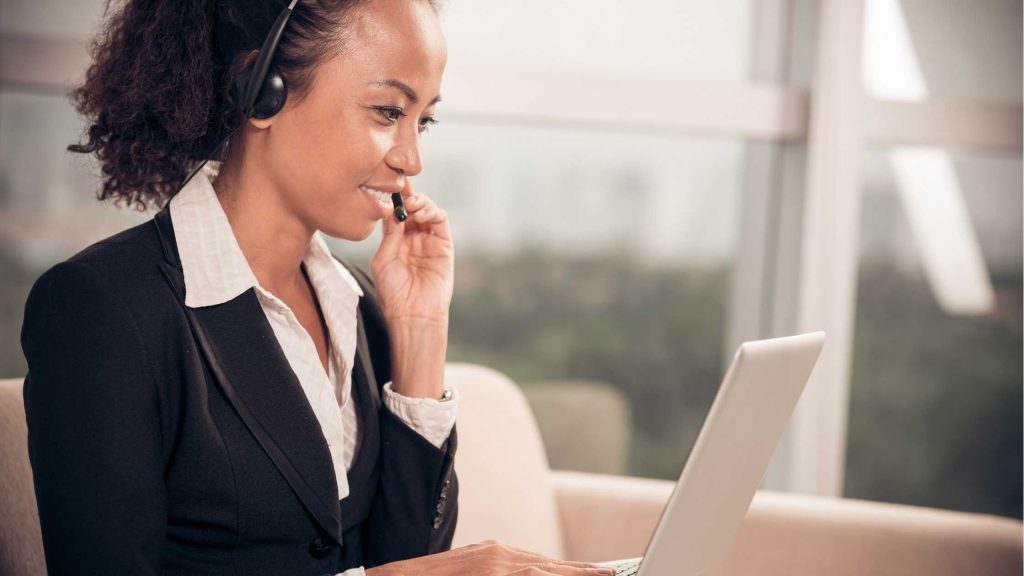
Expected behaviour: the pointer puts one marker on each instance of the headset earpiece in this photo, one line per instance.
(260, 89)
(271, 96)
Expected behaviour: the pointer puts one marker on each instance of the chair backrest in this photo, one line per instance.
(21, 543)
(585, 424)
(504, 487)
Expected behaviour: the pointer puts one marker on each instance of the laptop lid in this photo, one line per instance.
(731, 454)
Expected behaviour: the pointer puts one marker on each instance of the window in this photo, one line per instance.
(636, 188)
(935, 395)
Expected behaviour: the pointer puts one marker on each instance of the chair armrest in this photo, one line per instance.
(788, 534)
(613, 517)
(607, 517)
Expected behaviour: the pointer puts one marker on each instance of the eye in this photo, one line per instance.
(426, 123)
(391, 113)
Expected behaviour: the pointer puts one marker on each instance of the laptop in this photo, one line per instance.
(729, 458)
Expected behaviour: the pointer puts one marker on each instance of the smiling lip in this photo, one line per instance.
(382, 197)
(384, 202)
(386, 188)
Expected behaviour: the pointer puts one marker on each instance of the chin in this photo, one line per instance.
(352, 233)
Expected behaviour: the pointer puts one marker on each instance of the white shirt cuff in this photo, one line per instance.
(357, 571)
(432, 419)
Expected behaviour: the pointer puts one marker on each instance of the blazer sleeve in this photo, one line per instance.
(93, 428)
(416, 506)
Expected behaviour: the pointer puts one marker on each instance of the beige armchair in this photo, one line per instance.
(508, 493)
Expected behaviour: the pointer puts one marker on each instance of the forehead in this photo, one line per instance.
(399, 39)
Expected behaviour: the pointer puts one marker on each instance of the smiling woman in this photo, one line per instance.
(213, 391)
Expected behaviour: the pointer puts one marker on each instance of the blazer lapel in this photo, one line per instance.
(367, 398)
(251, 370)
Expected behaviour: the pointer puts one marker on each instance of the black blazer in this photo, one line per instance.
(174, 441)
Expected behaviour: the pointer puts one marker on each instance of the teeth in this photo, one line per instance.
(382, 197)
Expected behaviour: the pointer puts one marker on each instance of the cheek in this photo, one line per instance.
(336, 152)
(348, 149)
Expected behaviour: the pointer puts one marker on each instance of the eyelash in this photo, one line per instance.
(387, 111)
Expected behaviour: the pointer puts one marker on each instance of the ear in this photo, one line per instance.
(261, 123)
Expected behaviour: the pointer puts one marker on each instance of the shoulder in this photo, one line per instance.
(119, 274)
(132, 249)
(121, 261)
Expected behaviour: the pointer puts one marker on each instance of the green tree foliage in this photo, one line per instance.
(654, 333)
(935, 400)
(935, 406)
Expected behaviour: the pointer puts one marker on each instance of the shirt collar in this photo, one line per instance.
(213, 265)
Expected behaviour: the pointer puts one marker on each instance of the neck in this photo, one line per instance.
(272, 237)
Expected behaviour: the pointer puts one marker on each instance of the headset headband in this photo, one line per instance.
(263, 60)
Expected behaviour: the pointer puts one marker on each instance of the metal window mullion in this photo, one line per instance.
(828, 263)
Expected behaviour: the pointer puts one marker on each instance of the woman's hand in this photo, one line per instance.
(414, 268)
(413, 271)
(490, 558)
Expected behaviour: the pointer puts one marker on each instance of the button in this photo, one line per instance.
(320, 548)
(437, 521)
(447, 482)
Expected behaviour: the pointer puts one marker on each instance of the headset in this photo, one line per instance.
(260, 92)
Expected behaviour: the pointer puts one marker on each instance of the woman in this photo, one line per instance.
(213, 392)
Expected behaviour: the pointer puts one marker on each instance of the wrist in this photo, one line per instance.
(418, 350)
(415, 321)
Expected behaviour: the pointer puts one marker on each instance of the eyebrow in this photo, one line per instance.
(409, 92)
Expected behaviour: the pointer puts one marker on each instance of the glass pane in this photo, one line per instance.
(51, 18)
(958, 49)
(691, 38)
(43, 189)
(594, 256)
(935, 414)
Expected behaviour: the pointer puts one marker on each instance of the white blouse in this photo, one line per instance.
(215, 271)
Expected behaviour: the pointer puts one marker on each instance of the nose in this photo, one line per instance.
(404, 157)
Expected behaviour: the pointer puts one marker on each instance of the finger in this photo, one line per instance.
(442, 228)
(423, 210)
(420, 203)
(414, 202)
(555, 569)
(541, 559)
(591, 570)
(576, 569)
(514, 556)
(430, 216)
(423, 216)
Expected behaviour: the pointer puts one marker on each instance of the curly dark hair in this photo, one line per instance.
(158, 94)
